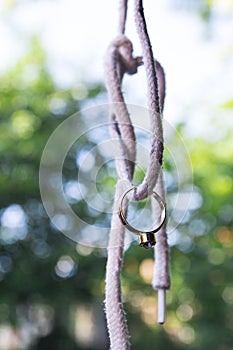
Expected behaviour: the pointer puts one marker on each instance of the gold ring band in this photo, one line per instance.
(147, 239)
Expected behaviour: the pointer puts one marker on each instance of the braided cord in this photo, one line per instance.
(156, 155)
(119, 60)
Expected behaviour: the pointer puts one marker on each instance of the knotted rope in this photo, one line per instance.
(119, 60)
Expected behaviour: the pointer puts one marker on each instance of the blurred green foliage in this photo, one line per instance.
(52, 289)
(203, 8)
(31, 108)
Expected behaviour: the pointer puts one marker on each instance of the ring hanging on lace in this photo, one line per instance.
(147, 239)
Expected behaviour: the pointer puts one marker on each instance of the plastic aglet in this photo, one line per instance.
(161, 306)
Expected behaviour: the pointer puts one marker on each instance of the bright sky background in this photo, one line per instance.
(197, 60)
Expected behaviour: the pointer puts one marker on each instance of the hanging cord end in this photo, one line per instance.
(161, 306)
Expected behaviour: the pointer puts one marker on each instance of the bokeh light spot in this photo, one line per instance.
(225, 236)
(186, 334)
(216, 256)
(13, 216)
(227, 295)
(146, 269)
(65, 267)
(149, 310)
(184, 312)
(23, 124)
(79, 92)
